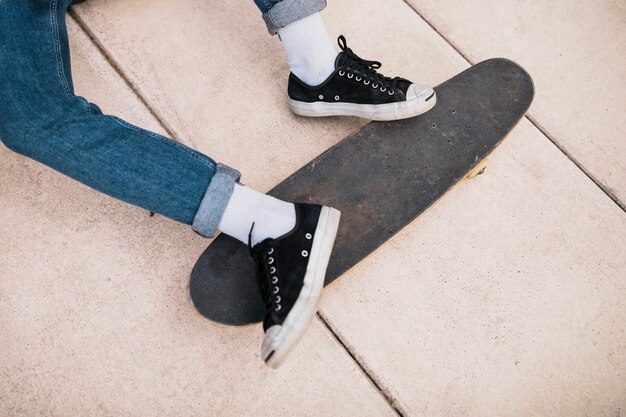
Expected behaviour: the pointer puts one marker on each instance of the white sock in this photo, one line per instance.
(272, 217)
(310, 52)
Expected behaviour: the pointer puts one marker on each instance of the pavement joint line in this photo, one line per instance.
(105, 54)
(528, 117)
(374, 380)
(606, 191)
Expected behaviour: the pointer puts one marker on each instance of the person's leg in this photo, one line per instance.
(41, 118)
(310, 52)
(324, 83)
(280, 13)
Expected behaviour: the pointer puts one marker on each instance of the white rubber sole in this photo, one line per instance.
(380, 112)
(280, 339)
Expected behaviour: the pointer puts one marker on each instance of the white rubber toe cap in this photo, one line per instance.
(269, 343)
(418, 92)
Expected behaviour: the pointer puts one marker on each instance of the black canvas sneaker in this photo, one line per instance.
(355, 88)
(291, 271)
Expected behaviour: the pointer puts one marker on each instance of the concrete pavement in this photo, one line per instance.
(505, 299)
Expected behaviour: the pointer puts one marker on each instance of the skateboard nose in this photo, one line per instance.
(418, 91)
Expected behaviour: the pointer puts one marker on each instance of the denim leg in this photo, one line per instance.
(215, 200)
(279, 13)
(41, 118)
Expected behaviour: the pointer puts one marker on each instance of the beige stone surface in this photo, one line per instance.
(576, 53)
(505, 299)
(94, 311)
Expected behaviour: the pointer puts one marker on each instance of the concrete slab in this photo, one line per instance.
(505, 299)
(94, 311)
(575, 51)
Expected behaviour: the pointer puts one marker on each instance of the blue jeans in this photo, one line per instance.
(42, 118)
(279, 13)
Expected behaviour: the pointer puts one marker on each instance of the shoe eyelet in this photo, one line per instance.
(277, 299)
(366, 82)
(274, 280)
(276, 289)
(273, 270)
(359, 78)
(336, 98)
(383, 89)
(278, 307)
(350, 75)
(374, 85)
(270, 251)
(270, 261)
(342, 73)
(304, 254)
(391, 92)
(309, 236)
(321, 97)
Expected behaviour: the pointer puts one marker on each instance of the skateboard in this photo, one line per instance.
(381, 178)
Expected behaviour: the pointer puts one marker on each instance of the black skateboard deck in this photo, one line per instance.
(381, 178)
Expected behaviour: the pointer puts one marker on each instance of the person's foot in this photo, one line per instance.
(291, 271)
(355, 88)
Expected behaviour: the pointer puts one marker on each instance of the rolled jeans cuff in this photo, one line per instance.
(289, 11)
(215, 200)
